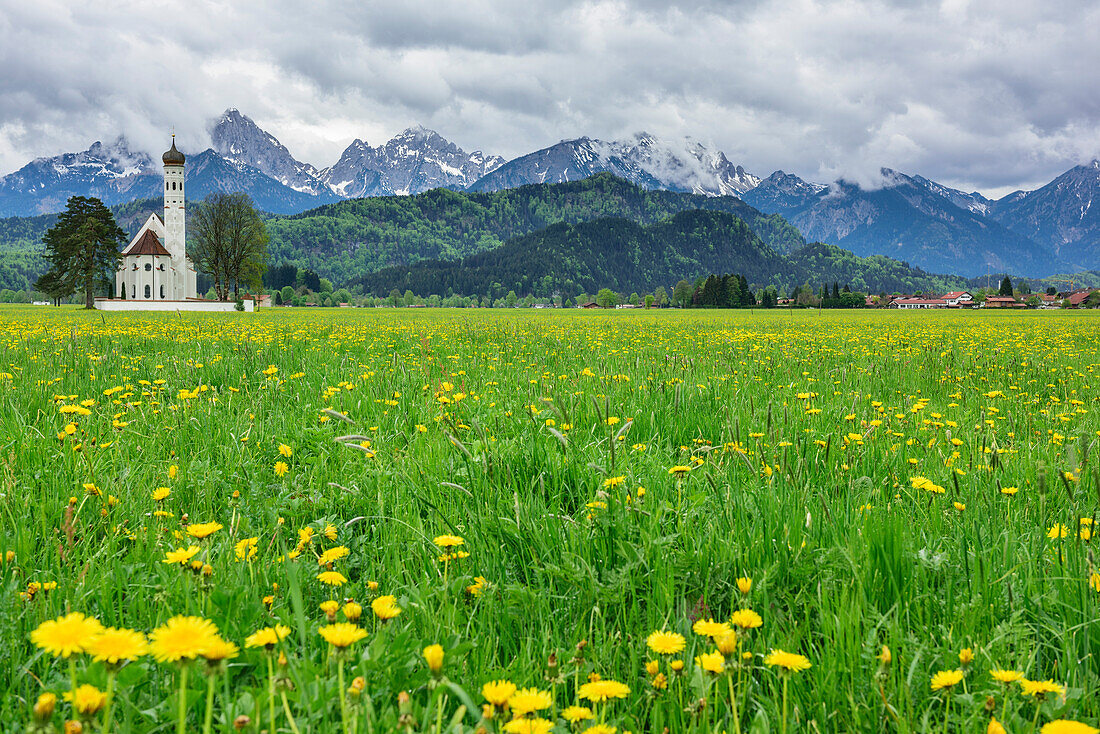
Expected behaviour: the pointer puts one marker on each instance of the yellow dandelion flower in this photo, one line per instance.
(67, 635)
(385, 607)
(577, 714)
(1039, 688)
(529, 726)
(433, 656)
(203, 530)
(497, 692)
(790, 662)
(342, 634)
(86, 699)
(711, 662)
(449, 541)
(286, 450)
(666, 643)
(267, 637)
(332, 578)
(181, 637)
(332, 555)
(114, 645)
(1006, 676)
(746, 619)
(529, 700)
(182, 556)
(603, 690)
(946, 679)
(710, 628)
(219, 649)
(245, 549)
(1065, 726)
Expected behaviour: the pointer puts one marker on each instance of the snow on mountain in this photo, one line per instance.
(237, 138)
(109, 172)
(644, 159)
(1064, 215)
(782, 193)
(973, 201)
(412, 162)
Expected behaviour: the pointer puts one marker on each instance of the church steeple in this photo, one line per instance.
(173, 157)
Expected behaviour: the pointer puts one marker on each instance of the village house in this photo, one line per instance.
(957, 299)
(1077, 298)
(1002, 302)
(911, 303)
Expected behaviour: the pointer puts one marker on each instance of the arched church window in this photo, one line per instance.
(148, 290)
(133, 291)
(162, 290)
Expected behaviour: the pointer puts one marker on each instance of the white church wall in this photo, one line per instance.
(107, 304)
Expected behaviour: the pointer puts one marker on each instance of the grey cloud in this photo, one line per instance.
(975, 93)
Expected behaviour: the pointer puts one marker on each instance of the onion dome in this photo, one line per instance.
(173, 157)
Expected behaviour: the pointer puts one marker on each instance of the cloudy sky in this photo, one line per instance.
(977, 94)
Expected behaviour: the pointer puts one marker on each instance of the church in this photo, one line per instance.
(155, 265)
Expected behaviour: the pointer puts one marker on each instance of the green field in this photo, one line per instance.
(921, 481)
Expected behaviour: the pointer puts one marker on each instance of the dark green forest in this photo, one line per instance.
(346, 240)
(569, 259)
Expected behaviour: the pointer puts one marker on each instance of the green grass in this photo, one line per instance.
(846, 555)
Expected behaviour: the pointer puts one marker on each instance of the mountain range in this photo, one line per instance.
(908, 217)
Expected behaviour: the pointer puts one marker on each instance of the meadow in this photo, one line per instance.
(529, 521)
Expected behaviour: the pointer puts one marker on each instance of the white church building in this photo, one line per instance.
(155, 266)
(155, 272)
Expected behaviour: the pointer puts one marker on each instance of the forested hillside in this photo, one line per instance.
(620, 254)
(349, 239)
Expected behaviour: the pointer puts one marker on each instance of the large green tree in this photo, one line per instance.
(82, 249)
(229, 243)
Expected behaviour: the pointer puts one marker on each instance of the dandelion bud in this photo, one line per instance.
(552, 663)
(329, 608)
(352, 611)
(207, 570)
(660, 682)
(241, 722)
(282, 659)
(73, 727)
(433, 655)
(744, 584)
(372, 586)
(359, 683)
(990, 705)
(885, 656)
(9, 557)
(488, 711)
(652, 667)
(994, 727)
(43, 708)
(966, 656)
(727, 644)
(677, 666)
(404, 703)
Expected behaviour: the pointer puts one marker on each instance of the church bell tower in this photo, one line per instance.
(175, 217)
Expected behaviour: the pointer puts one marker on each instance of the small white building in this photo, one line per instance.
(155, 266)
(958, 298)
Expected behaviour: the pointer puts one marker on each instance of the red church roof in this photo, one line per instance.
(147, 244)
